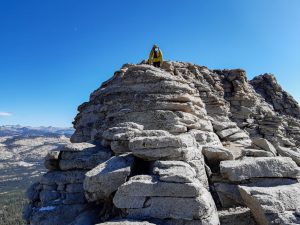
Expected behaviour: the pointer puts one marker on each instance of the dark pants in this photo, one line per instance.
(156, 64)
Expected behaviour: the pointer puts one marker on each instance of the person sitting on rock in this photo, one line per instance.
(156, 56)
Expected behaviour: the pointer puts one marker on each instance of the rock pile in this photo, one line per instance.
(180, 145)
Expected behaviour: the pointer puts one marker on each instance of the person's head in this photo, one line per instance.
(155, 47)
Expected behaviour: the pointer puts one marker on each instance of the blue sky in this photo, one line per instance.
(54, 53)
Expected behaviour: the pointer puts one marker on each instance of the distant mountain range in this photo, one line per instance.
(28, 131)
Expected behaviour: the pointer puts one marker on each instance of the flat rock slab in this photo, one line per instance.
(178, 141)
(236, 216)
(256, 153)
(219, 126)
(103, 180)
(228, 132)
(174, 171)
(171, 147)
(178, 208)
(250, 167)
(88, 161)
(277, 204)
(206, 138)
(133, 194)
(75, 147)
(264, 144)
(63, 177)
(215, 155)
(287, 152)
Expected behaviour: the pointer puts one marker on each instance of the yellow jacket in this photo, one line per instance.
(159, 56)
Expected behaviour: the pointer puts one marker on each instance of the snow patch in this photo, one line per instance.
(25, 164)
(47, 208)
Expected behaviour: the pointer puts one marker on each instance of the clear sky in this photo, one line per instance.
(54, 53)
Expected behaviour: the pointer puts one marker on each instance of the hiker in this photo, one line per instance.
(156, 56)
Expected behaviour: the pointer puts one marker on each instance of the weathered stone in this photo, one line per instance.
(52, 187)
(200, 169)
(294, 155)
(228, 132)
(162, 142)
(264, 144)
(256, 153)
(46, 196)
(121, 133)
(85, 162)
(236, 216)
(74, 198)
(104, 179)
(174, 171)
(215, 155)
(275, 204)
(219, 126)
(150, 186)
(74, 188)
(75, 147)
(178, 208)
(120, 147)
(228, 194)
(161, 148)
(238, 136)
(52, 160)
(248, 168)
(63, 177)
(33, 192)
(206, 138)
(169, 114)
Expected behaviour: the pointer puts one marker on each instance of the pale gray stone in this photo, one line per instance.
(146, 186)
(85, 162)
(228, 132)
(171, 147)
(215, 155)
(256, 153)
(174, 171)
(273, 204)
(200, 168)
(219, 126)
(179, 208)
(249, 167)
(287, 152)
(236, 216)
(264, 144)
(103, 180)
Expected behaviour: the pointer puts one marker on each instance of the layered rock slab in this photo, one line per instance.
(103, 180)
(249, 167)
(276, 203)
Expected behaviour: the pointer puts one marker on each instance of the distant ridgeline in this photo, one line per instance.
(177, 145)
(34, 131)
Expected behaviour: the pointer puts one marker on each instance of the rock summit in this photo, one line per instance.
(177, 145)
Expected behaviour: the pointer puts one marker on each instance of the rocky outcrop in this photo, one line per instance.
(267, 86)
(177, 145)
